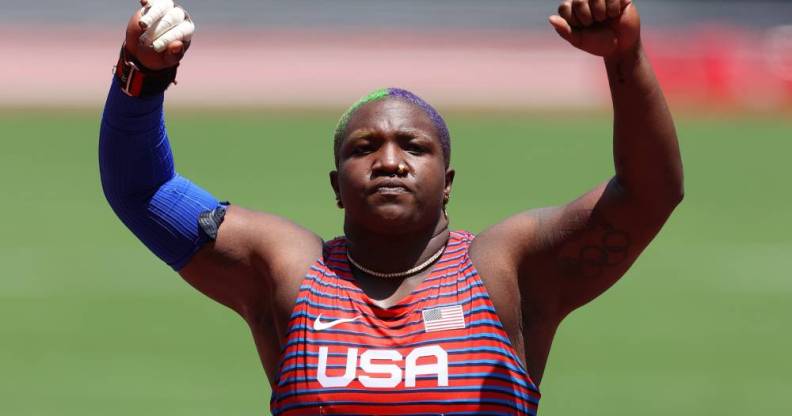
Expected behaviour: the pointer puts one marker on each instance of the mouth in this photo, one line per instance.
(390, 187)
(390, 190)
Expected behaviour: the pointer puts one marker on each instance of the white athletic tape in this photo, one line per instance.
(183, 32)
(171, 19)
(154, 11)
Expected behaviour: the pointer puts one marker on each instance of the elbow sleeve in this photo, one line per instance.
(167, 222)
(139, 181)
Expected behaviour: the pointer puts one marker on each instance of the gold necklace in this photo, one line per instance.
(417, 269)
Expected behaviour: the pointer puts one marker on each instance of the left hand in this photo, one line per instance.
(607, 28)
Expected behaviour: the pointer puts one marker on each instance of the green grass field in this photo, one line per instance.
(92, 324)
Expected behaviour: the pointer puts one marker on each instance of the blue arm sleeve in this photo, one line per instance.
(139, 181)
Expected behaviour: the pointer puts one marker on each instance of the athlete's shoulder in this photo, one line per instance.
(262, 226)
(275, 247)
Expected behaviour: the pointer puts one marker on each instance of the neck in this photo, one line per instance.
(388, 253)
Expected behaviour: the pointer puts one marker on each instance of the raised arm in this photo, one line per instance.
(231, 254)
(565, 256)
(135, 159)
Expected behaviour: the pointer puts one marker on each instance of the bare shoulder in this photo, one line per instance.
(524, 305)
(270, 239)
(503, 256)
(509, 245)
(510, 239)
(255, 257)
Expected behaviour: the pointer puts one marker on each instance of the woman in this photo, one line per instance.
(400, 315)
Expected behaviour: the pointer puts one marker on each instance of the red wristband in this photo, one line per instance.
(139, 81)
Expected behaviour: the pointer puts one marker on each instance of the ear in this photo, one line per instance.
(449, 180)
(334, 184)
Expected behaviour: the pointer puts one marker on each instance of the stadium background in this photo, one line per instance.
(92, 324)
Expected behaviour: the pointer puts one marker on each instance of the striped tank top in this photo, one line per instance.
(440, 351)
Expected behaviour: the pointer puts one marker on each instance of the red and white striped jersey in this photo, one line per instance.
(440, 351)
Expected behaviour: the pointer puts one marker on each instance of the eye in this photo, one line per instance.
(362, 148)
(415, 148)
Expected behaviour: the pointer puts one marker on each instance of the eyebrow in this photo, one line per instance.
(360, 134)
(416, 133)
(413, 132)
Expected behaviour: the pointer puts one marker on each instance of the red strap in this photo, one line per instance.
(137, 80)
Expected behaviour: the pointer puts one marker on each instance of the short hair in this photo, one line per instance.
(401, 94)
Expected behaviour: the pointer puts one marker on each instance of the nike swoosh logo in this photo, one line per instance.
(321, 326)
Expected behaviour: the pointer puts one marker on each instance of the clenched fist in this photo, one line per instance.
(159, 33)
(605, 28)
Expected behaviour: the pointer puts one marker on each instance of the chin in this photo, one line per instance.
(393, 219)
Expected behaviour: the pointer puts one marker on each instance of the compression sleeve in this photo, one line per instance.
(139, 181)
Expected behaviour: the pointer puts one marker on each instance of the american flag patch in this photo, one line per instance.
(440, 319)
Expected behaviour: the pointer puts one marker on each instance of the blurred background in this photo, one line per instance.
(92, 324)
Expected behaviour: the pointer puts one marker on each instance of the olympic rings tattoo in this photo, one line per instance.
(591, 259)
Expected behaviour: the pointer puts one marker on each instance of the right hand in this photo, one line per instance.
(177, 38)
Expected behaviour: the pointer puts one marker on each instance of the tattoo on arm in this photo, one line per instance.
(600, 245)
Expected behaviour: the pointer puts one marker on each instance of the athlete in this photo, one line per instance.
(400, 315)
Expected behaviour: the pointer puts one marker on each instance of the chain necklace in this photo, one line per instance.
(417, 269)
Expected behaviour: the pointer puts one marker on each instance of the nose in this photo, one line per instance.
(389, 161)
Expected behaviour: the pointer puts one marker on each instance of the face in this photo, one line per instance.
(391, 175)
